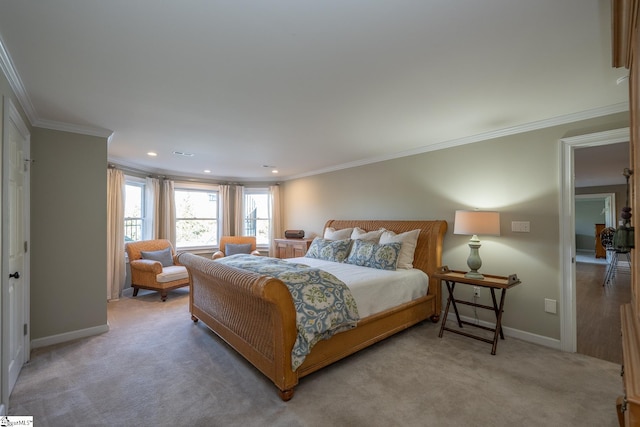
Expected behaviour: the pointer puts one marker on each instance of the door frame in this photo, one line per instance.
(568, 327)
(11, 114)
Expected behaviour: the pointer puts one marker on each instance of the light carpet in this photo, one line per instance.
(155, 367)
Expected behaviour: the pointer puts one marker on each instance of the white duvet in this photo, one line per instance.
(374, 290)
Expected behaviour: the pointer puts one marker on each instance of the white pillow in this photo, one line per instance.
(368, 236)
(333, 234)
(408, 240)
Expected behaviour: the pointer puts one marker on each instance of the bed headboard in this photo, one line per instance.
(428, 254)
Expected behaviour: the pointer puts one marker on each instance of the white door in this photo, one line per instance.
(15, 241)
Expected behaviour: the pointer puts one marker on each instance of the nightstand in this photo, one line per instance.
(451, 277)
(291, 248)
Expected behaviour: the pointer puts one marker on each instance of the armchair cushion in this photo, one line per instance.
(164, 256)
(171, 273)
(235, 248)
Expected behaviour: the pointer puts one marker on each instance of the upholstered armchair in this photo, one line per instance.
(231, 245)
(154, 267)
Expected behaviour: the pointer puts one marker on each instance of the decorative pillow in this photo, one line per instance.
(165, 257)
(408, 240)
(369, 254)
(237, 248)
(329, 250)
(333, 234)
(370, 236)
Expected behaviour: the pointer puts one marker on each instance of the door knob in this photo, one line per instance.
(15, 275)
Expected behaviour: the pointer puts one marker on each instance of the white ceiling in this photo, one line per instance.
(304, 85)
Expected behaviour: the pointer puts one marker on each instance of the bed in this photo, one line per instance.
(254, 313)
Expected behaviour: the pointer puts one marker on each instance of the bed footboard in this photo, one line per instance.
(254, 314)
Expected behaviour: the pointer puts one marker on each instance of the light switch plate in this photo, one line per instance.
(550, 305)
(521, 226)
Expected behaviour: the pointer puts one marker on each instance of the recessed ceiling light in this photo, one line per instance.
(273, 168)
(152, 154)
(207, 171)
(182, 153)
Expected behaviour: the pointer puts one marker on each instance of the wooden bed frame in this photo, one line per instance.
(254, 314)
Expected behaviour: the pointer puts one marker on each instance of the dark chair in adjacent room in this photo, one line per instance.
(613, 254)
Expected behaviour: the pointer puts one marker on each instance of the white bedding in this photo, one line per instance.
(374, 290)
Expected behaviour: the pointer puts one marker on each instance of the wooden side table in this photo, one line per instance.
(451, 277)
(599, 247)
(291, 248)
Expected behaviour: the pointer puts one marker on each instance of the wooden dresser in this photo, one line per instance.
(601, 252)
(291, 248)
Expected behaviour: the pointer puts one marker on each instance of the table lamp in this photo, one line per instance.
(472, 223)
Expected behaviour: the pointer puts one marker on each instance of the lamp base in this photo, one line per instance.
(474, 275)
(474, 262)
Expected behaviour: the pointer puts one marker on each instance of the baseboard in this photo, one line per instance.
(69, 336)
(515, 333)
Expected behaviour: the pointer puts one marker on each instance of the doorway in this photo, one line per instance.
(15, 250)
(569, 146)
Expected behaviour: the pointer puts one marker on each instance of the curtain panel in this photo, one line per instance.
(168, 212)
(276, 226)
(225, 202)
(116, 269)
(239, 211)
(152, 209)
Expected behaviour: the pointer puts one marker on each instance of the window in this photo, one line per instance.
(257, 214)
(133, 209)
(196, 216)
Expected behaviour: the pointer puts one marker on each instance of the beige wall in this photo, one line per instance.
(517, 175)
(68, 233)
(68, 229)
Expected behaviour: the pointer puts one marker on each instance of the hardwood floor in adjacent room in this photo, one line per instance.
(598, 310)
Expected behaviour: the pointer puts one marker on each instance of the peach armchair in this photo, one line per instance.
(235, 240)
(154, 266)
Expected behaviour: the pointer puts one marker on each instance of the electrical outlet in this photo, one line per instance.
(476, 291)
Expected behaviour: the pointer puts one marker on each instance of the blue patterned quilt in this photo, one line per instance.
(324, 305)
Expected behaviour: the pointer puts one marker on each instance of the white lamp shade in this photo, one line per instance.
(477, 223)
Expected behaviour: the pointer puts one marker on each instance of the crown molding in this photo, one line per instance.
(68, 127)
(15, 82)
(6, 65)
(527, 127)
